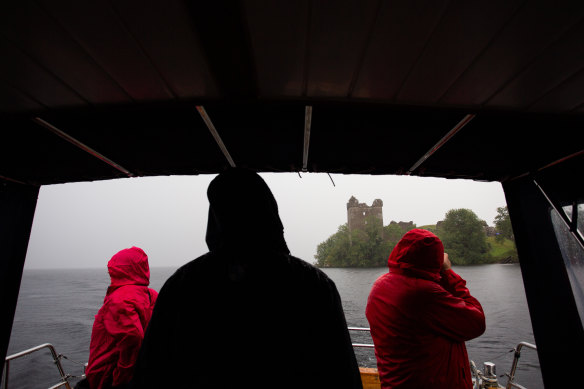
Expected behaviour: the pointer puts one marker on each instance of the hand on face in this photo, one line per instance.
(446, 265)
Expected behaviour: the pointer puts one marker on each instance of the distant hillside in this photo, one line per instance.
(370, 245)
(429, 227)
(503, 252)
(500, 252)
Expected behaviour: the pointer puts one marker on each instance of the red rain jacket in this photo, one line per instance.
(420, 318)
(120, 324)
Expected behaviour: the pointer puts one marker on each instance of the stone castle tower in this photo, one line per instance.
(358, 214)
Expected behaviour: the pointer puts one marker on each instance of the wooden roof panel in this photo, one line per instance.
(462, 34)
(165, 33)
(555, 66)
(14, 100)
(400, 33)
(29, 77)
(337, 40)
(45, 42)
(386, 80)
(278, 32)
(532, 29)
(100, 31)
(566, 97)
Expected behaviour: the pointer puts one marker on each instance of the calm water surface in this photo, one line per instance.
(58, 306)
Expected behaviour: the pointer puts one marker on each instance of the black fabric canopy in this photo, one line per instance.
(93, 90)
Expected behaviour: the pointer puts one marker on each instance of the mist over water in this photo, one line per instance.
(58, 307)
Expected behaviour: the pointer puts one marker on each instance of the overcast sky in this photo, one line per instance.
(84, 224)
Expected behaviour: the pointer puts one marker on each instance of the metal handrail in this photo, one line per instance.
(364, 345)
(65, 377)
(511, 374)
(56, 358)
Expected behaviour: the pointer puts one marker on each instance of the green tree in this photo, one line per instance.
(393, 232)
(503, 225)
(334, 251)
(367, 247)
(464, 237)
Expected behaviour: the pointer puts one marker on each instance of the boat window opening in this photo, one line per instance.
(311, 210)
(573, 256)
(563, 214)
(579, 214)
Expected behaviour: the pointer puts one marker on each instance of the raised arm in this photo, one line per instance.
(452, 310)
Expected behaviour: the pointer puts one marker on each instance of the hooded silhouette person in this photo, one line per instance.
(247, 313)
(420, 314)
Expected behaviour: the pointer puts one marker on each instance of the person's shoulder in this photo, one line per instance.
(307, 270)
(195, 264)
(188, 272)
(128, 295)
(300, 264)
(382, 280)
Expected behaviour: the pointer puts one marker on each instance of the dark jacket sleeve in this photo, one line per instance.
(340, 365)
(157, 344)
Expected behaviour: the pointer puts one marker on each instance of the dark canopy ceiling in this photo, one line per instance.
(91, 90)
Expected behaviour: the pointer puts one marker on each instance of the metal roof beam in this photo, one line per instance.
(4, 178)
(442, 142)
(215, 134)
(556, 162)
(307, 125)
(81, 145)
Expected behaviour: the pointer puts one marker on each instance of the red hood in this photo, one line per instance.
(129, 267)
(419, 253)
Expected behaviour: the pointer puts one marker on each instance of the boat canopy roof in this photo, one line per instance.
(93, 90)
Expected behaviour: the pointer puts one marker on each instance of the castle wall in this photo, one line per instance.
(359, 213)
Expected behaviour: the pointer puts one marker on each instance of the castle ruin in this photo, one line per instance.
(359, 214)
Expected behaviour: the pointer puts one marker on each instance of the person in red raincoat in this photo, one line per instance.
(420, 314)
(120, 324)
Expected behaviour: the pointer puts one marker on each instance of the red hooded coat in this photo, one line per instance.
(420, 318)
(119, 325)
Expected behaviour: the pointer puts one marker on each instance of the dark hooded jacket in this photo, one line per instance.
(420, 318)
(119, 325)
(247, 313)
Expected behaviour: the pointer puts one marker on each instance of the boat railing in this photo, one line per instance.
(511, 374)
(484, 379)
(362, 329)
(56, 358)
(488, 377)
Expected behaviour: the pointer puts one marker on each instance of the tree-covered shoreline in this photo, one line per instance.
(464, 235)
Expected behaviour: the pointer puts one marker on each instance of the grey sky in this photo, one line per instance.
(84, 224)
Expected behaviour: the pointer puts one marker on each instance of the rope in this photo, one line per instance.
(502, 354)
(331, 179)
(71, 360)
(69, 376)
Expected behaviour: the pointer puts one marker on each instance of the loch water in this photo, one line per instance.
(57, 306)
